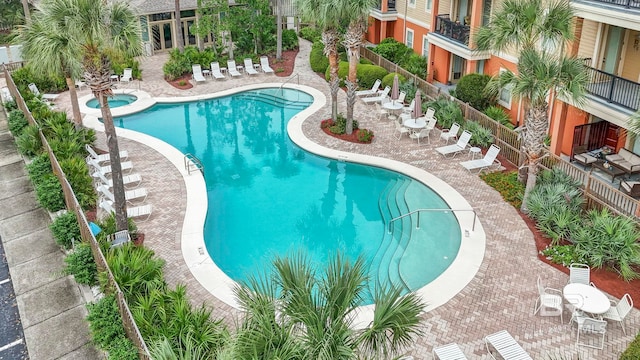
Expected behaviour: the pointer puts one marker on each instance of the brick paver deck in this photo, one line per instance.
(502, 294)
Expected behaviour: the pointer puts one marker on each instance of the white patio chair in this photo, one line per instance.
(379, 98)
(127, 75)
(587, 325)
(505, 345)
(482, 164)
(549, 302)
(197, 73)
(125, 166)
(215, 70)
(449, 134)
(248, 67)
(430, 112)
(5, 95)
(431, 123)
(104, 158)
(119, 238)
(423, 133)
(264, 64)
(232, 68)
(48, 97)
(80, 84)
(448, 352)
(129, 181)
(579, 273)
(401, 130)
(132, 212)
(460, 146)
(409, 109)
(401, 97)
(619, 311)
(382, 112)
(372, 91)
(138, 195)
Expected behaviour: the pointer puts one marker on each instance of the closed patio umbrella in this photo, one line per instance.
(395, 89)
(417, 105)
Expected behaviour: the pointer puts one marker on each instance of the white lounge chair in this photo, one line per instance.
(132, 212)
(264, 64)
(80, 84)
(484, 163)
(550, 299)
(248, 67)
(619, 311)
(104, 158)
(448, 352)
(372, 91)
(197, 73)
(127, 75)
(119, 238)
(215, 70)
(48, 97)
(5, 95)
(579, 273)
(106, 169)
(232, 68)
(456, 148)
(139, 195)
(379, 98)
(451, 133)
(505, 345)
(129, 181)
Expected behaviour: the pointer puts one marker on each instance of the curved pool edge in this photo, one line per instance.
(143, 102)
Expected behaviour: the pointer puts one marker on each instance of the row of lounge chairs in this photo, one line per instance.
(501, 342)
(232, 69)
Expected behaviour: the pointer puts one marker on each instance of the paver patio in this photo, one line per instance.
(502, 294)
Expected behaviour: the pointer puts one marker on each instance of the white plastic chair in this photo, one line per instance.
(448, 352)
(409, 109)
(401, 130)
(215, 70)
(549, 301)
(104, 158)
(382, 112)
(264, 64)
(139, 195)
(587, 325)
(119, 238)
(401, 97)
(484, 163)
(379, 98)
(106, 169)
(506, 346)
(127, 75)
(448, 134)
(456, 148)
(232, 68)
(430, 112)
(619, 311)
(129, 181)
(248, 67)
(580, 274)
(423, 133)
(372, 91)
(132, 212)
(197, 73)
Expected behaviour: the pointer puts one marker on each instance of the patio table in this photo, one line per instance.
(415, 124)
(610, 170)
(586, 298)
(394, 107)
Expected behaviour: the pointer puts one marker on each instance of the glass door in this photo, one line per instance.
(613, 46)
(162, 36)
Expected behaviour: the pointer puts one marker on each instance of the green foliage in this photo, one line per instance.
(470, 89)
(608, 240)
(365, 135)
(480, 135)
(107, 330)
(135, 269)
(64, 228)
(633, 351)
(81, 265)
(310, 33)
(289, 39)
(26, 75)
(366, 74)
(29, 143)
(17, 122)
(563, 254)
(507, 184)
(340, 126)
(387, 80)
(410, 89)
(118, 64)
(179, 63)
(447, 112)
(39, 168)
(393, 50)
(9, 106)
(498, 114)
(319, 62)
(108, 226)
(77, 173)
(416, 64)
(49, 193)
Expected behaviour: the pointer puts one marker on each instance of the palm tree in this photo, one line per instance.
(312, 315)
(326, 14)
(535, 28)
(179, 37)
(634, 123)
(25, 7)
(357, 13)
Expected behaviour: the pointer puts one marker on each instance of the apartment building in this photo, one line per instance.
(607, 38)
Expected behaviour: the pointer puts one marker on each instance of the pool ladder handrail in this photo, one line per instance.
(191, 163)
(418, 211)
(296, 75)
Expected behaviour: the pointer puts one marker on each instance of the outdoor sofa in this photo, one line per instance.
(625, 160)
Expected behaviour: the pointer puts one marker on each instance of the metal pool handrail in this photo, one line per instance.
(418, 211)
(191, 162)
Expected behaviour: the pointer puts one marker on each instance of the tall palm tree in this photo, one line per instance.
(538, 30)
(179, 37)
(326, 15)
(312, 315)
(356, 12)
(25, 7)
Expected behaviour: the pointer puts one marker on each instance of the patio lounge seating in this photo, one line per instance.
(127, 75)
(631, 188)
(372, 91)
(129, 181)
(5, 95)
(119, 238)
(132, 212)
(106, 169)
(448, 134)
(379, 98)
(582, 156)
(264, 64)
(139, 194)
(47, 97)
(248, 67)
(456, 148)
(549, 299)
(232, 68)
(104, 158)
(619, 311)
(484, 163)
(505, 345)
(197, 73)
(448, 352)
(215, 70)
(625, 160)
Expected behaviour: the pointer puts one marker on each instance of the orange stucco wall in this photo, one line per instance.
(439, 62)
(373, 31)
(564, 118)
(492, 67)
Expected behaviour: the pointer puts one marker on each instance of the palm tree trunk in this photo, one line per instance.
(533, 140)
(352, 42)
(25, 7)
(77, 117)
(351, 102)
(278, 31)
(330, 40)
(179, 37)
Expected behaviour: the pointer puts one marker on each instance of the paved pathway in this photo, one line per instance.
(502, 294)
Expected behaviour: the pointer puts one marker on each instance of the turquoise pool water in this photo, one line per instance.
(114, 101)
(267, 196)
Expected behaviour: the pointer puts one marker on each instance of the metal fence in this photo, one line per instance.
(130, 327)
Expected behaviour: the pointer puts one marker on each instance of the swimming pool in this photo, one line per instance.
(117, 100)
(261, 184)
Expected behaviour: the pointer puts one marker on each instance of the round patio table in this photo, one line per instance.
(415, 124)
(586, 298)
(393, 107)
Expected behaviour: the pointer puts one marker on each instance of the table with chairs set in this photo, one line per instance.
(591, 309)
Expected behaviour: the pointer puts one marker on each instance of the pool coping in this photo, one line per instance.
(461, 271)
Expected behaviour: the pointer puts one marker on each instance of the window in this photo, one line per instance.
(161, 16)
(425, 46)
(412, 3)
(429, 4)
(409, 38)
(504, 96)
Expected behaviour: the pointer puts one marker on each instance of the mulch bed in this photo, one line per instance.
(184, 78)
(284, 66)
(350, 138)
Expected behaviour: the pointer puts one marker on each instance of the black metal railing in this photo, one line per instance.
(612, 88)
(391, 5)
(628, 4)
(453, 30)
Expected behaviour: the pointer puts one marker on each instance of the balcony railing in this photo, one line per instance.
(452, 29)
(612, 88)
(391, 5)
(628, 4)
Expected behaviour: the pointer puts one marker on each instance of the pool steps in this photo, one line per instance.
(275, 99)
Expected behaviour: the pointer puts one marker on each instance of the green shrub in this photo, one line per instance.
(365, 61)
(447, 112)
(340, 126)
(480, 135)
(107, 330)
(410, 89)
(26, 75)
(366, 74)
(393, 50)
(81, 265)
(289, 39)
(39, 168)
(49, 193)
(310, 33)
(470, 89)
(387, 80)
(608, 240)
(77, 173)
(633, 351)
(17, 122)
(10, 106)
(119, 64)
(29, 143)
(179, 63)
(563, 254)
(507, 184)
(319, 62)
(416, 65)
(365, 135)
(498, 114)
(135, 269)
(64, 228)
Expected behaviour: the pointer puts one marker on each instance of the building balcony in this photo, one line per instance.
(613, 89)
(390, 14)
(622, 4)
(452, 29)
(621, 13)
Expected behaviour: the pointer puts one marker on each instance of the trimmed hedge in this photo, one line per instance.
(470, 89)
(387, 80)
(366, 74)
(319, 62)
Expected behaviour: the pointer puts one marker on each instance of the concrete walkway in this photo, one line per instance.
(51, 305)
